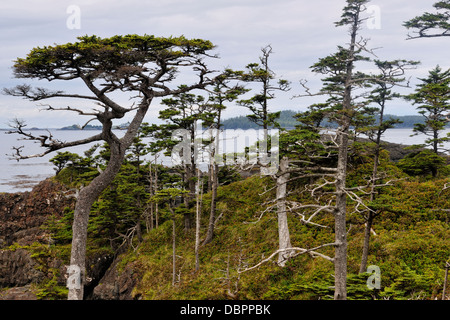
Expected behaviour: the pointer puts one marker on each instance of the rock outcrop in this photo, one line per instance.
(22, 214)
(115, 286)
(17, 268)
(21, 218)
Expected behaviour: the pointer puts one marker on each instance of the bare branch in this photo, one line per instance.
(300, 251)
(47, 141)
(79, 111)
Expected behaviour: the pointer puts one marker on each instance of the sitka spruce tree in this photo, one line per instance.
(139, 67)
(351, 17)
(344, 104)
(432, 98)
(261, 74)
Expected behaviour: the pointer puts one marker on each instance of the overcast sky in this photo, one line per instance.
(300, 32)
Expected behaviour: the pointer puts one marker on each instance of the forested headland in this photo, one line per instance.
(301, 214)
(287, 120)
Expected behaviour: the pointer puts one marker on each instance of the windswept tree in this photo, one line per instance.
(261, 74)
(139, 67)
(432, 97)
(430, 25)
(342, 84)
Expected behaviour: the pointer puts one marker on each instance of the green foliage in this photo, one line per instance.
(432, 24)
(120, 206)
(60, 228)
(182, 111)
(105, 56)
(433, 99)
(409, 285)
(258, 104)
(323, 288)
(410, 247)
(422, 163)
(64, 159)
(228, 174)
(50, 288)
(412, 241)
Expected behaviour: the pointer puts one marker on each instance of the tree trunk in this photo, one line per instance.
(149, 216)
(371, 216)
(174, 246)
(365, 253)
(212, 215)
(444, 290)
(340, 212)
(190, 181)
(156, 190)
(283, 229)
(214, 178)
(197, 221)
(85, 200)
(340, 259)
(90, 193)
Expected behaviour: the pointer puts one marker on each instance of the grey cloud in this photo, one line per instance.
(300, 31)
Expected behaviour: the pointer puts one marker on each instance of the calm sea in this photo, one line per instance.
(22, 176)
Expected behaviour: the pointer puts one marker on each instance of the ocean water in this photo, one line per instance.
(23, 175)
(19, 176)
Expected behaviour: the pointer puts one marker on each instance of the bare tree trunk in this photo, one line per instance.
(444, 290)
(197, 221)
(340, 225)
(85, 200)
(365, 253)
(212, 215)
(89, 194)
(340, 212)
(174, 246)
(214, 174)
(190, 181)
(283, 228)
(149, 216)
(371, 215)
(156, 190)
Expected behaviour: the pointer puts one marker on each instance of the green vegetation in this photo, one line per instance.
(410, 246)
(368, 211)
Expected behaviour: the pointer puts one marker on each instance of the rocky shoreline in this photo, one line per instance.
(23, 267)
(21, 217)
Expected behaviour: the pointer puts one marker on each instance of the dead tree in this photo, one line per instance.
(284, 238)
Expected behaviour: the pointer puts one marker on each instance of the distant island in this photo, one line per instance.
(286, 121)
(91, 127)
(78, 127)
